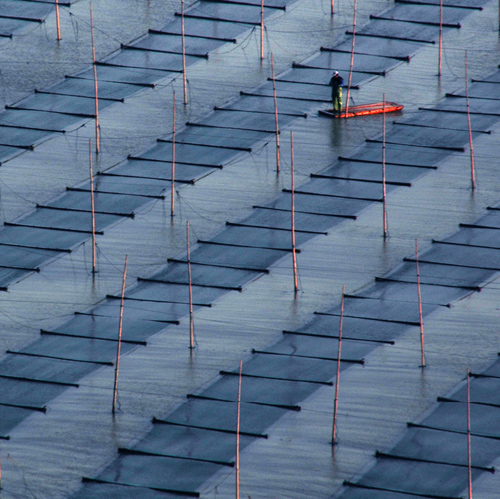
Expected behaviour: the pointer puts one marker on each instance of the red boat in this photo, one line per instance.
(363, 110)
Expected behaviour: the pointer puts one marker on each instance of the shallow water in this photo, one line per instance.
(78, 436)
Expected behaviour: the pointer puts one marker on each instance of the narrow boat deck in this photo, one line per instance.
(363, 110)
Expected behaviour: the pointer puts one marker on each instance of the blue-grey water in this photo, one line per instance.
(48, 453)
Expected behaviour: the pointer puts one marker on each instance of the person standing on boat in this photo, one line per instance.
(336, 83)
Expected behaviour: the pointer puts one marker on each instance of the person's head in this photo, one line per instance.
(335, 73)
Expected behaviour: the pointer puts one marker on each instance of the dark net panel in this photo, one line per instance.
(397, 49)
(373, 172)
(425, 14)
(341, 61)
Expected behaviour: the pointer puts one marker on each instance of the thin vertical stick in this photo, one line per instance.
(333, 7)
(352, 60)
(172, 202)
(383, 170)
(184, 78)
(117, 364)
(97, 144)
(294, 253)
(92, 202)
(276, 118)
(335, 403)
(238, 437)
(420, 309)
(57, 22)
(191, 324)
(440, 35)
(262, 30)
(473, 177)
(468, 435)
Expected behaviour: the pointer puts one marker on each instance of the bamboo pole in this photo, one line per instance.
(469, 466)
(238, 436)
(97, 144)
(276, 118)
(420, 310)
(383, 171)
(262, 30)
(172, 202)
(117, 364)
(440, 36)
(468, 436)
(294, 252)
(472, 172)
(58, 24)
(336, 399)
(352, 59)
(92, 202)
(184, 78)
(191, 322)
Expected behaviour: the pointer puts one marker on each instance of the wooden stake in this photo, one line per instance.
(468, 436)
(420, 309)
(172, 202)
(57, 22)
(333, 7)
(440, 35)
(238, 436)
(335, 403)
(352, 59)
(262, 30)
(184, 78)
(191, 323)
(92, 202)
(473, 177)
(276, 119)
(294, 253)
(97, 144)
(117, 364)
(383, 170)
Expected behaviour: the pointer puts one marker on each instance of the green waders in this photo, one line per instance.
(337, 101)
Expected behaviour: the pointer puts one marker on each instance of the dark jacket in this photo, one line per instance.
(336, 82)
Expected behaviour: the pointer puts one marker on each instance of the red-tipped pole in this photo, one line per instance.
(172, 202)
(58, 24)
(184, 77)
(383, 172)
(352, 59)
(262, 30)
(238, 436)
(92, 203)
(337, 380)
(473, 176)
(117, 364)
(440, 36)
(468, 436)
(276, 118)
(420, 310)
(294, 252)
(191, 318)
